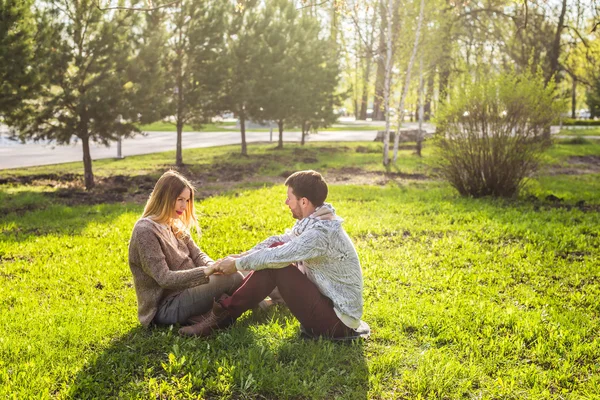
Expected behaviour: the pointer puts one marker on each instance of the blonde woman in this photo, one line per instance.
(170, 273)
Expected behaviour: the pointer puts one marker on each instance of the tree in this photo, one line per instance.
(17, 29)
(180, 69)
(315, 80)
(280, 52)
(407, 79)
(27, 36)
(593, 99)
(388, 79)
(88, 89)
(242, 66)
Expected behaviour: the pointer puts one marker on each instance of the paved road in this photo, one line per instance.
(15, 155)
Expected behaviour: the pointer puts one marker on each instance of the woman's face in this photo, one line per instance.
(181, 203)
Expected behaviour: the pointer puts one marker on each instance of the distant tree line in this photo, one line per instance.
(74, 69)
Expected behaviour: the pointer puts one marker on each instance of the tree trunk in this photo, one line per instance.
(355, 89)
(87, 161)
(178, 149)
(388, 82)
(428, 97)
(574, 98)
(367, 72)
(180, 102)
(362, 115)
(304, 129)
(421, 108)
(555, 51)
(243, 131)
(378, 112)
(280, 125)
(407, 80)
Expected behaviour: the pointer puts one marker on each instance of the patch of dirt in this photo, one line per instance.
(40, 179)
(587, 160)
(553, 202)
(357, 176)
(578, 165)
(224, 174)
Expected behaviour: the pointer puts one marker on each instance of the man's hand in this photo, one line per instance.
(227, 265)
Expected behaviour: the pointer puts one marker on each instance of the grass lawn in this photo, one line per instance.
(466, 298)
(231, 126)
(576, 131)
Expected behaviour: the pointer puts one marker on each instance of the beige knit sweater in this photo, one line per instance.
(162, 265)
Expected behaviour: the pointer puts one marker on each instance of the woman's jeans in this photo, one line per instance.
(195, 301)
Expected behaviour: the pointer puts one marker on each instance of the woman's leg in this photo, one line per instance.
(197, 300)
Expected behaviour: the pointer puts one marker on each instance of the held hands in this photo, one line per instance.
(224, 266)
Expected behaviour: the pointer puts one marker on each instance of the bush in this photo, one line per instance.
(491, 134)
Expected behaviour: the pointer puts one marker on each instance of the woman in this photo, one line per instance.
(170, 273)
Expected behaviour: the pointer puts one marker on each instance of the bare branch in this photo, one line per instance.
(313, 5)
(137, 9)
(585, 43)
(487, 11)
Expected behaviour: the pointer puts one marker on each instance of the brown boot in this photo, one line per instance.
(215, 319)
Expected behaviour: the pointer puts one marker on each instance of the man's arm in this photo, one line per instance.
(311, 244)
(268, 242)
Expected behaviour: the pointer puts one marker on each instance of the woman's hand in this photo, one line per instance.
(211, 269)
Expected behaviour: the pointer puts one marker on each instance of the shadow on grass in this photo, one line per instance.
(242, 362)
(29, 214)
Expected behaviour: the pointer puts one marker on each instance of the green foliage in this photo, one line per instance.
(180, 69)
(316, 78)
(17, 52)
(281, 70)
(87, 52)
(491, 134)
(593, 98)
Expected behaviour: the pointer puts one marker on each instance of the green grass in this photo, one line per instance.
(231, 126)
(169, 127)
(263, 160)
(466, 298)
(580, 132)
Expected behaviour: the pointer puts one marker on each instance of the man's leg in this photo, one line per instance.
(313, 309)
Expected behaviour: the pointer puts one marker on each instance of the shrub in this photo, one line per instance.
(491, 134)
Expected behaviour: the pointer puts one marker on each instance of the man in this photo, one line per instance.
(323, 290)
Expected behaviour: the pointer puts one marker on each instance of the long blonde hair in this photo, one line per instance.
(161, 204)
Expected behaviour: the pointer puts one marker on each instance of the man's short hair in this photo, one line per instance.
(309, 184)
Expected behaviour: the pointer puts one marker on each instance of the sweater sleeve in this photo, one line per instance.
(200, 258)
(153, 263)
(311, 244)
(286, 237)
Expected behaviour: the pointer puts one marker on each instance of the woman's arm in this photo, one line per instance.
(153, 263)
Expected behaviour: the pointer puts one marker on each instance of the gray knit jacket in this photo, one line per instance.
(162, 266)
(329, 259)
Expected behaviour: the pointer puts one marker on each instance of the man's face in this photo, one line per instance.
(293, 203)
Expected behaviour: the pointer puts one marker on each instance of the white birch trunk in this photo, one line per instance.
(421, 109)
(407, 81)
(387, 82)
